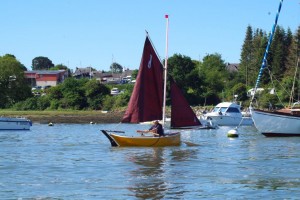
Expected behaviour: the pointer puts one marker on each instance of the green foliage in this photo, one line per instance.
(73, 94)
(95, 93)
(134, 74)
(240, 90)
(116, 102)
(60, 67)
(55, 93)
(13, 85)
(116, 68)
(41, 63)
(268, 101)
(216, 77)
(28, 104)
(43, 103)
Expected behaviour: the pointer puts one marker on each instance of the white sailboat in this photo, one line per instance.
(283, 122)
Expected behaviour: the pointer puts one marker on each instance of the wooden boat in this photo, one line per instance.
(147, 103)
(172, 139)
(283, 122)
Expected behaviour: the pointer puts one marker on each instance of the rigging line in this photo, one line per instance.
(294, 82)
(154, 48)
(281, 86)
(263, 65)
(117, 125)
(270, 73)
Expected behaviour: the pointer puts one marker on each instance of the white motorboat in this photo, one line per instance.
(15, 123)
(228, 114)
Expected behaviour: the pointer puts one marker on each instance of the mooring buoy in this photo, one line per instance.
(232, 133)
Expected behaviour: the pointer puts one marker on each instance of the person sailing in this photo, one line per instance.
(156, 129)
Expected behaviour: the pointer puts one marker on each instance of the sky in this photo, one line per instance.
(96, 33)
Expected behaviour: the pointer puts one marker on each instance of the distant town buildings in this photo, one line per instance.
(42, 78)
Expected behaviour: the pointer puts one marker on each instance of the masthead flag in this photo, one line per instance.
(166, 16)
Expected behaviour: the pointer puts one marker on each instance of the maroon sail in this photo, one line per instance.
(182, 115)
(146, 100)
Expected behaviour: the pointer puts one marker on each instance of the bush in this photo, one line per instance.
(28, 104)
(43, 103)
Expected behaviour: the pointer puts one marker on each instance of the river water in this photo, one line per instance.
(75, 161)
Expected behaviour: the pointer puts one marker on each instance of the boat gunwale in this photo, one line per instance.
(276, 113)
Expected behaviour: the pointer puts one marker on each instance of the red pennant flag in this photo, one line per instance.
(166, 16)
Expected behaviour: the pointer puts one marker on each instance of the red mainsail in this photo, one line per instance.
(146, 101)
(182, 115)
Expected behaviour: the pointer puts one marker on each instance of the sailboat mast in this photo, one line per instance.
(165, 71)
(264, 62)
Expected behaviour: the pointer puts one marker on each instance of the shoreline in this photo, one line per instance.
(75, 116)
(69, 117)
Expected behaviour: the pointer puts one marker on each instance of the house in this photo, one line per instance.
(44, 78)
(250, 92)
(86, 72)
(232, 67)
(112, 78)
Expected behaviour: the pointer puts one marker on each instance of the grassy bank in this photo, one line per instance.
(75, 116)
(66, 116)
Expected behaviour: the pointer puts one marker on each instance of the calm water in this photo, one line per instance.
(69, 161)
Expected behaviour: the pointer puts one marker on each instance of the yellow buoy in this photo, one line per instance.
(232, 133)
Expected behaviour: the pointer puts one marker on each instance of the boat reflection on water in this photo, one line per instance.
(154, 169)
(148, 178)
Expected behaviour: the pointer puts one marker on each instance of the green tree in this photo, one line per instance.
(134, 73)
(277, 55)
(260, 41)
(185, 73)
(63, 67)
(95, 93)
(240, 90)
(116, 68)
(246, 56)
(293, 54)
(41, 63)
(13, 84)
(216, 77)
(73, 94)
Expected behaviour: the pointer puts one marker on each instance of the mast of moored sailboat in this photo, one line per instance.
(165, 72)
(264, 61)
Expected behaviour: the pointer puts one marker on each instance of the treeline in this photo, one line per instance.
(205, 82)
(282, 61)
(77, 94)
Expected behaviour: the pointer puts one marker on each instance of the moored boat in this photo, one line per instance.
(15, 123)
(282, 122)
(228, 114)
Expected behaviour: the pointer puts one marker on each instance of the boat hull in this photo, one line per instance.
(228, 114)
(10, 123)
(273, 124)
(225, 120)
(172, 139)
